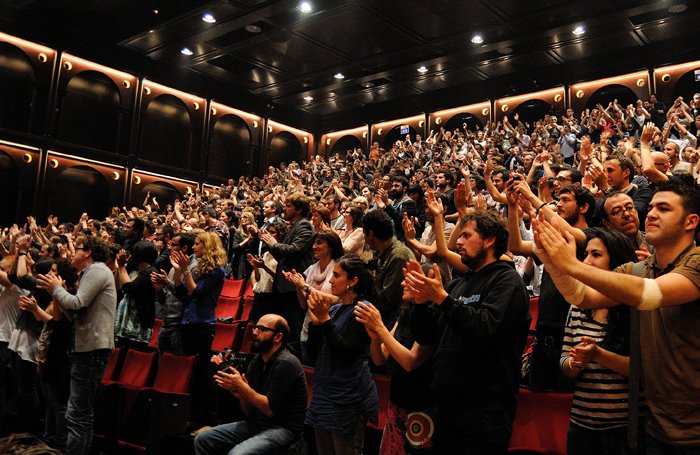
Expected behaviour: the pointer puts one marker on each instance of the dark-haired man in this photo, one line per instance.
(478, 324)
(399, 204)
(618, 175)
(272, 394)
(93, 307)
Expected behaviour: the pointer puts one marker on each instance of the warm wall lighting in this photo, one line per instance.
(666, 77)
(485, 111)
(27, 158)
(504, 108)
(147, 90)
(438, 120)
(53, 163)
(306, 139)
(42, 57)
(640, 82)
(213, 111)
(196, 106)
(364, 135)
(579, 94)
(379, 132)
(255, 123)
(557, 98)
(421, 123)
(328, 141)
(68, 66)
(115, 175)
(189, 190)
(126, 84)
(269, 129)
(137, 180)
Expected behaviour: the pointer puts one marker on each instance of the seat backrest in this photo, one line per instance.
(541, 422)
(383, 383)
(137, 368)
(246, 308)
(157, 324)
(228, 307)
(112, 364)
(174, 373)
(224, 337)
(247, 340)
(233, 288)
(249, 290)
(534, 311)
(309, 373)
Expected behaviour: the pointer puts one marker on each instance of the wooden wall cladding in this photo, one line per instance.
(95, 105)
(677, 80)
(73, 185)
(474, 115)
(165, 188)
(233, 137)
(286, 144)
(25, 82)
(386, 133)
(531, 106)
(341, 141)
(171, 127)
(627, 89)
(18, 173)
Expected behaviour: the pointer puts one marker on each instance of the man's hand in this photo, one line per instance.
(267, 238)
(425, 288)
(552, 248)
(49, 282)
(409, 228)
(434, 204)
(232, 380)
(647, 134)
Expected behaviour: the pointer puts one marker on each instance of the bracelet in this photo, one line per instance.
(572, 366)
(185, 272)
(537, 212)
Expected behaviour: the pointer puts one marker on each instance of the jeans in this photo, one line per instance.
(56, 387)
(241, 438)
(583, 441)
(330, 442)
(656, 447)
(27, 393)
(86, 372)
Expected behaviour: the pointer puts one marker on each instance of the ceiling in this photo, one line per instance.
(377, 44)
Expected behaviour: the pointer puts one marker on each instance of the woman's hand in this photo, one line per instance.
(584, 352)
(319, 304)
(294, 277)
(368, 315)
(179, 260)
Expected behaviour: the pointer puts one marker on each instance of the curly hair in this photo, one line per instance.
(214, 253)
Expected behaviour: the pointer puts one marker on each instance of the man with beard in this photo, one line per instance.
(272, 395)
(400, 203)
(479, 323)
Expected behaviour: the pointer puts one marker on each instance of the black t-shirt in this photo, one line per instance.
(283, 382)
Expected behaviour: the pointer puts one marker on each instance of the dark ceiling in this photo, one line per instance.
(377, 44)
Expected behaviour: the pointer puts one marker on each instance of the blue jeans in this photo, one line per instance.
(86, 372)
(656, 447)
(241, 438)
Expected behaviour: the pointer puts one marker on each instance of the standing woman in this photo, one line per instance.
(595, 355)
(344, 394)
(352, 237)
(200, 290)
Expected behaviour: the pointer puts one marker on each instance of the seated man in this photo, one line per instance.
(272, 394)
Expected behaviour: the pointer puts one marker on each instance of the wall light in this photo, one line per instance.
(666, 77)
(43, 58)
(641, 82)
(579, 94)
(126, 84)
(364, 134)
(421, 123)
(53, 163)
(557, 98)
(269, 129)
(115, 175)
(196, 106)
(379, 132)
(255, 123)
(137, 180)
(68, 66)
(504, 108)
(213, 111)
(485, 111)
(27, 158)
(147, 90)
(328, 141)
(306, 139)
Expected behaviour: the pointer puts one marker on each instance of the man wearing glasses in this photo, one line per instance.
(620, 214)
(272, 395)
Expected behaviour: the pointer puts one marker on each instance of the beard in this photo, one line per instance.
(258, 346)
(395, 194)
(474, 262)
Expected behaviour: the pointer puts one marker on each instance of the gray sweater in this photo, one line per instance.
(94, 306)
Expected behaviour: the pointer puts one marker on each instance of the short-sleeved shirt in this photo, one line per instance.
(670, 341)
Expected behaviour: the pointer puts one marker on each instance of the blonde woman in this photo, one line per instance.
(200, 290)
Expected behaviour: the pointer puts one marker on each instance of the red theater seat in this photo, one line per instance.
(541, 422)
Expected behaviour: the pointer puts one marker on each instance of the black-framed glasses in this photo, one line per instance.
(263, 328)
(619, 211)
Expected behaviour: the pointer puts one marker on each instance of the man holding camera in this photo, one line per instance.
(272, 394)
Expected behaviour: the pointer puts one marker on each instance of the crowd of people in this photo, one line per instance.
(420, 259)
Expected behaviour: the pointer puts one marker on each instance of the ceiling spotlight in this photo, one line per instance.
(250, 28)
(186, 51)
(208, 18)
(155, 11)
(305, 7)
(308, 98)
(477, 39)
(579, 30)
(422, 70)
(368, 84)
(339, 76)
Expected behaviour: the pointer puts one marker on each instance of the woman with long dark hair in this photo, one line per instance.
(344, 394)
(595, 355)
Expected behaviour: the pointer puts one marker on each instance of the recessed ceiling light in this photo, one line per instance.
(208, 18)
(186, 51)
(339, 76)
(579, 30)
(368, 84)
(477, 39)
(155, 11)
(422, 70)
(305, 7)
(680, 8)
(250, 28)
(308, 98)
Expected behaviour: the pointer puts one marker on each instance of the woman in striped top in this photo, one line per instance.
(596, 355)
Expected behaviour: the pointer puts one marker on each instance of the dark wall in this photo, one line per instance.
(284, 147)
(229, 148)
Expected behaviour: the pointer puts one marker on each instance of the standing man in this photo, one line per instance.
(272, 394)
(479, 324)
(665, 288)
(93, 309)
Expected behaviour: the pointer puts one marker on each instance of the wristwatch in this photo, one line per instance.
(306, 288)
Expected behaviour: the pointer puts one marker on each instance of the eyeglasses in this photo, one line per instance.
(618, 211)
(174, 244)
(262, 328)
(564, 179)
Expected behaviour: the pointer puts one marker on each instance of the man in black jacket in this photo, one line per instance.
(478, 324)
